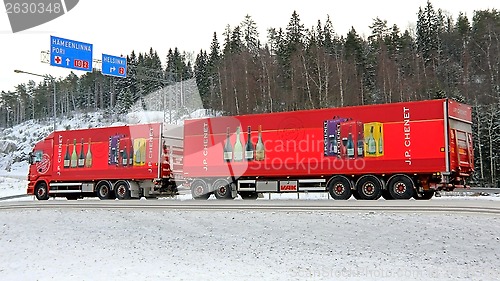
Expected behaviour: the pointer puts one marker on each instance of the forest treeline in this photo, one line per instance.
(303, 67)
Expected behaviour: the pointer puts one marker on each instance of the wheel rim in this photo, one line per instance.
(339, 189)
(121, 190)
(103, 191)
(400, 188)
(368, 189)
(222, 191)
(198, 190)
(41, 191)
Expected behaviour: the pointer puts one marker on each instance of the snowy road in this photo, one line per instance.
(433, 206)
(156, 244)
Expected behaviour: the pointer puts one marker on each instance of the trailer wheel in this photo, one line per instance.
(41, 191)
(222, 189)
(401, 187)
(249, 195)
(339, 187)
(369, 187)
(122, 190)
(426, 195)
(103, 190)
(199, 190)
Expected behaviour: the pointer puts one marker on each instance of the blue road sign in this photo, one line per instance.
(70, 54)
(114, 66)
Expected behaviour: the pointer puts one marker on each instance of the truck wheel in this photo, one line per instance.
(401, 187)
(199, 190)
(426, 195)
(122, 190)
(103, 190)
(41, 191)
(222, 189)
(249, 195)
(369, 187)
(339, 187)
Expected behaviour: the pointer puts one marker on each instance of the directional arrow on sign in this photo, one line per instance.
(112, 69)
(67, 61)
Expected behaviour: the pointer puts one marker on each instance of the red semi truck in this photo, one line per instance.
(121, 161)
(398, 151)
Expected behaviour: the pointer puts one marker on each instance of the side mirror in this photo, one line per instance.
(31, 158)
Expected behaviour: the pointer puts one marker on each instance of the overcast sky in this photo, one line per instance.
(117, 27)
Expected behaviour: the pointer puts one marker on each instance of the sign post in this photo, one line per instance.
(114, 66)
(70, 54)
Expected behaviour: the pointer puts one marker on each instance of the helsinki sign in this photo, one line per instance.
(70, 54)
(114, 66)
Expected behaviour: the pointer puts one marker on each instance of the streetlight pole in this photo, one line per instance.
(53, 85)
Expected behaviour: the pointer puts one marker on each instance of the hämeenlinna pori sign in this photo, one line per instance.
(70, 54)
(26, 14)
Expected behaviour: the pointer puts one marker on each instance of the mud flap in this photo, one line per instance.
(234, 191)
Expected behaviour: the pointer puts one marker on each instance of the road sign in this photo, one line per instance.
(70, 54)
(114, 66)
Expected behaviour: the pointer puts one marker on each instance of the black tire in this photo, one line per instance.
(222, 189)
(72, 196)
(122, 190)
(104, 190)
(41, 191)
(369, 187)
(401, 187)
(355, 194)
(386, 195)
(339, 187)
(199, 190)
(426, 195)
(249, 195)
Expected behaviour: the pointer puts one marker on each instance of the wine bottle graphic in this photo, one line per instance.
(350, 145)
(249, 146)
(66, 156)
(238, 147)
(360, 145)
(334, 149)
(74, 156)
(81, 156)
(124, 153)
(137, 152)
(228, 148)
(259, 147)
(114, 143)
(131, 154)
(380, 142)
(88, 157)
(372, 146)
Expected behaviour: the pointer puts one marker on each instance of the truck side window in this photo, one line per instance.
(38, 156)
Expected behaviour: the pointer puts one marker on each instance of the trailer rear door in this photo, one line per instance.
(461, 156)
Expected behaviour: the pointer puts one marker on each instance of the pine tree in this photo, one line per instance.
(250, 35)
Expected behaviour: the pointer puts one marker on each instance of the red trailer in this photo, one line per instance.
(396, 150)
(121, 161)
